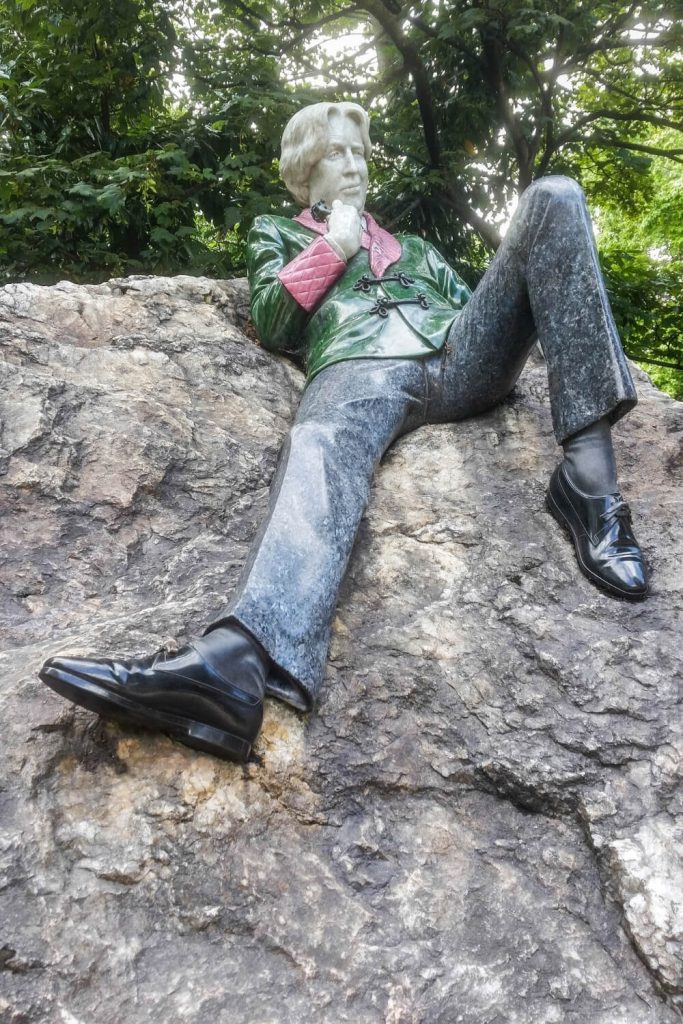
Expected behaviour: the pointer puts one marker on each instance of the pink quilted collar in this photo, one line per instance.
(383, 248)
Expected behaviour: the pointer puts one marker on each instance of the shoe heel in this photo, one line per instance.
(557, 515)
(215, 741)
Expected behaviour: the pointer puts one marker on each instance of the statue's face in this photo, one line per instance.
(342, 173)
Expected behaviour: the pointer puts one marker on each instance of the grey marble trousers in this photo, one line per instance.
(544, 280)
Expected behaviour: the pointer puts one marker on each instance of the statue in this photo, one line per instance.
(392, 338)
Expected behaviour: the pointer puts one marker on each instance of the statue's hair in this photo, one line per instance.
(305, 139)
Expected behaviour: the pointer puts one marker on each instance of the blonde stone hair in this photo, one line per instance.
(305, 138)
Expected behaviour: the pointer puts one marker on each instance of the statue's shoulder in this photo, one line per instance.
(270, 224)
(416, 248)
(418, 251)
(414, 241)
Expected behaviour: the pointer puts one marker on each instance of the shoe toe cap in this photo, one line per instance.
(53, 667)
(62, 667)
(627, 575)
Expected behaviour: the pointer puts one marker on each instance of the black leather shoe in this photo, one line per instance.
(180, 694)
(606, 549)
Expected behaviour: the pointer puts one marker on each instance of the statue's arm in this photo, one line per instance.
(280, 320)
(448, 283)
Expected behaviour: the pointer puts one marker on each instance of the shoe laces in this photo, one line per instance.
(619, 510)
(164, 652)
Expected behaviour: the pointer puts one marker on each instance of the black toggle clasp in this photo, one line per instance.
(382, 306)
(402, 279)
(363, 283)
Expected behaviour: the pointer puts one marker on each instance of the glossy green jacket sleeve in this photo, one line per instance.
(279, 320)
(447, 282)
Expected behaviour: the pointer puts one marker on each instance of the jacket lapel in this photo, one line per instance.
(383, 248)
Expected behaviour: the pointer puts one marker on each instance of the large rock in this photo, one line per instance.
(482, 820)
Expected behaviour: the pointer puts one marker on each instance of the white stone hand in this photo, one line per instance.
(345, 228)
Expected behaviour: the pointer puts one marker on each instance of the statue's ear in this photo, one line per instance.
(300, 195)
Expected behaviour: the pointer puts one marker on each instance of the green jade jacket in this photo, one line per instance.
(396, 298)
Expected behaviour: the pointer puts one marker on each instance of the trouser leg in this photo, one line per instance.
(348, 417)
(545, 279)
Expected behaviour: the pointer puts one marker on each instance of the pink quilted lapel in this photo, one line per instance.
(383, 248)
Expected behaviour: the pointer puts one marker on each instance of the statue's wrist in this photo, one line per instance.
(334, 244)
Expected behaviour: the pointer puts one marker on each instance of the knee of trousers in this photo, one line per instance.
(556, 188)
(312, 434)
(318, 439)
(337, 439)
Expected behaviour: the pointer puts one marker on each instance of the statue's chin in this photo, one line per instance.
(351, 197)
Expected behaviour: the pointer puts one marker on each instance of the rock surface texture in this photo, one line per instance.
(482, 822)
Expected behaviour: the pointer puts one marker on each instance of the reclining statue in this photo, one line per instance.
(392, 338)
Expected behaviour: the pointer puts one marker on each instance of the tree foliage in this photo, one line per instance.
(143, 134)
(641, 247)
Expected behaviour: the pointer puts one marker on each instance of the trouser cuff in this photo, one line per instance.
(280, 683)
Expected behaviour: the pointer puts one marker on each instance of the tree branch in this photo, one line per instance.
(640, 100)
(457, 201)
(614, 115)
(671, 154)
(493, 70)
(419, 22)
(414, 66)
(656, 362)
(604, 45)
(545, 92)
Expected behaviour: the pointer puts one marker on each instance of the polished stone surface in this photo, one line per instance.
(544, 276)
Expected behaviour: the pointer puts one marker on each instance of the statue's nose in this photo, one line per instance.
(350, 163)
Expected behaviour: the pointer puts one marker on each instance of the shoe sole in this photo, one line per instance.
(103, 702)
(559, 516)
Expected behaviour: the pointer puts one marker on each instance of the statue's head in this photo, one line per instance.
(325, 148)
